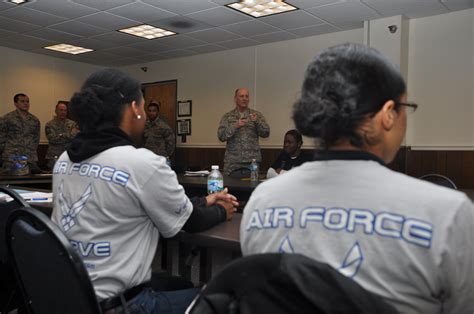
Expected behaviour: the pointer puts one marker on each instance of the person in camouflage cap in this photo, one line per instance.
(59, 131)
(158, 136)
(241, 129)
(20, 132)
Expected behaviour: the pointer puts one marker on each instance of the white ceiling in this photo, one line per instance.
(202, 25)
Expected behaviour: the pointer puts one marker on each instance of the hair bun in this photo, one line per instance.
(86, 107)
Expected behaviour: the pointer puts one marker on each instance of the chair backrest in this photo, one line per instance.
(9, 293)
(439, 179)
(51, 274)
(6, 207)
(284, 283)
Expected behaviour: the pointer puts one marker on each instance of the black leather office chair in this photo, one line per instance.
(284, 283)
(51, 274)
(10, 296)
(439, 179)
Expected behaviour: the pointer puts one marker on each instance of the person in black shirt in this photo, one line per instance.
(291, 156)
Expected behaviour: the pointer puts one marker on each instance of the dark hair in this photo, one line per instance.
(17, 96)
(296, 135)
(102, 99)
(344, 85)
(154, 103)
(61, 102)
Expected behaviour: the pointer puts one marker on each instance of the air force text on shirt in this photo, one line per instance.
(100, 172)
(383, 224)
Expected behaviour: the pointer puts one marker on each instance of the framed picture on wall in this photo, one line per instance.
(184, 127)
(185, 108)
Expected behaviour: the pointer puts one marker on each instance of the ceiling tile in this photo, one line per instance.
(61, 8)
(36, 17)
(4, 33)
(180, 6)
(151, 46)
(219, 16)
(122, 62)
(150, 58)
(78, 28)
(345, 12)
(126, 52)
(141, 12)
(12, 45)
(179, 53)
(6, 6)
(250, 28)
(213, 35)
(277, 36)
(107, 21)
(180, 41)
(98, 56)
(15, 26)
(224, 2)
(305, 4)
(29, 42)
(407, 7)
(119, 38)
(293, 19)
(51, 34)
(93, 43)
(207, 48)
(239, 43)
(314, 30)
(180, 24)
(455, 5)
(103, 5)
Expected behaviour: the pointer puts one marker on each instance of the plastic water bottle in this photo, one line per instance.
(215, 181)
(254, 171)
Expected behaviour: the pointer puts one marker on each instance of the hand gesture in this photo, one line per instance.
(253, 117)
(240, 123)
(226, 200)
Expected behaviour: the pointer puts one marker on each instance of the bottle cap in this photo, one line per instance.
(215, 167)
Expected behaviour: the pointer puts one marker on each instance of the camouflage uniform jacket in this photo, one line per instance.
(59, 134)
(242, 144)
(21, 135)
(159, 137)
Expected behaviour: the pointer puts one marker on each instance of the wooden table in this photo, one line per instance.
(241, 188)
(34, 181)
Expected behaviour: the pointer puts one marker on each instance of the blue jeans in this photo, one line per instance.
(150, 301)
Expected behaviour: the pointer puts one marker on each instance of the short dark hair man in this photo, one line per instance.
(20, 132)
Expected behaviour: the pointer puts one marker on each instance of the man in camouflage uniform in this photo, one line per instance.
(241, 129)
(59, 131)
(20, 132)
(158, 136)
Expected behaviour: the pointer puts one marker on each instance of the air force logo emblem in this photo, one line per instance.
(70, 212)
(351, 264)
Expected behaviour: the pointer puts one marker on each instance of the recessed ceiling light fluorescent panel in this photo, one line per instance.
(259, 8)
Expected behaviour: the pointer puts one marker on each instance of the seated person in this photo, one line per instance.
(291, 156)
(113, 201)
(407, 240)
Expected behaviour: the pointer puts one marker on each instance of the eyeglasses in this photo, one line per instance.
(411, 107)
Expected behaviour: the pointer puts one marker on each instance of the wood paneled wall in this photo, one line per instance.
(457, 165)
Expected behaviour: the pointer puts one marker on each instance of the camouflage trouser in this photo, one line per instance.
(229, 167)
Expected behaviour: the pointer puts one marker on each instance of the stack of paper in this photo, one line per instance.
(29, 196)
(201, 173)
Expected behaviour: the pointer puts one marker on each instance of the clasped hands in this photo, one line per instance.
(226, 200)
(243, 121)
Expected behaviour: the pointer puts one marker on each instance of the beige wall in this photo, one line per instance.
(273, 73)
(440, 79)
(44, 79)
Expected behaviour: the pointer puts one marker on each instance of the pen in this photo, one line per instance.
(39, 199)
